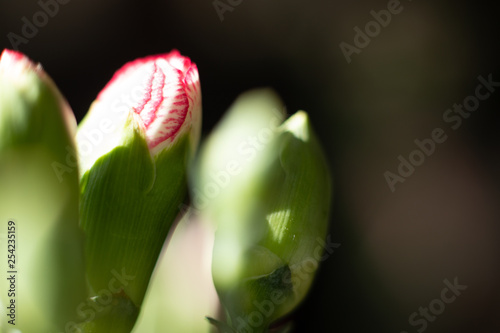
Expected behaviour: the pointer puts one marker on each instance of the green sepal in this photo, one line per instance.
(221, 326)
(118, 315)
(129, 201)
(265, 292)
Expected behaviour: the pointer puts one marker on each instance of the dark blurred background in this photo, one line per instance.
(397, 247)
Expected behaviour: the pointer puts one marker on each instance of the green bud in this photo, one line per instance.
(134, 146)
(266, 186)
(181, 291)
(41, 242)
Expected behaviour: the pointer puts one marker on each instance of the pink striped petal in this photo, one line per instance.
(164, 91)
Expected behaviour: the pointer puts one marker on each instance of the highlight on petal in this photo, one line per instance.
(13, 60)
(164, 91)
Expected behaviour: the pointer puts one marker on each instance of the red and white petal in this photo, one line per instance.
(164, 91)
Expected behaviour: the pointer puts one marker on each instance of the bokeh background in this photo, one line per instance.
(397, 247)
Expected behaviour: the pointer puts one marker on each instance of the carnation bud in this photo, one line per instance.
(42, 245)
(135, 145)
(271, 213)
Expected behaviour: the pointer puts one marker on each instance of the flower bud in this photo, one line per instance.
(181, 292)
(134, 145)
(270, 212)
(41, 242)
